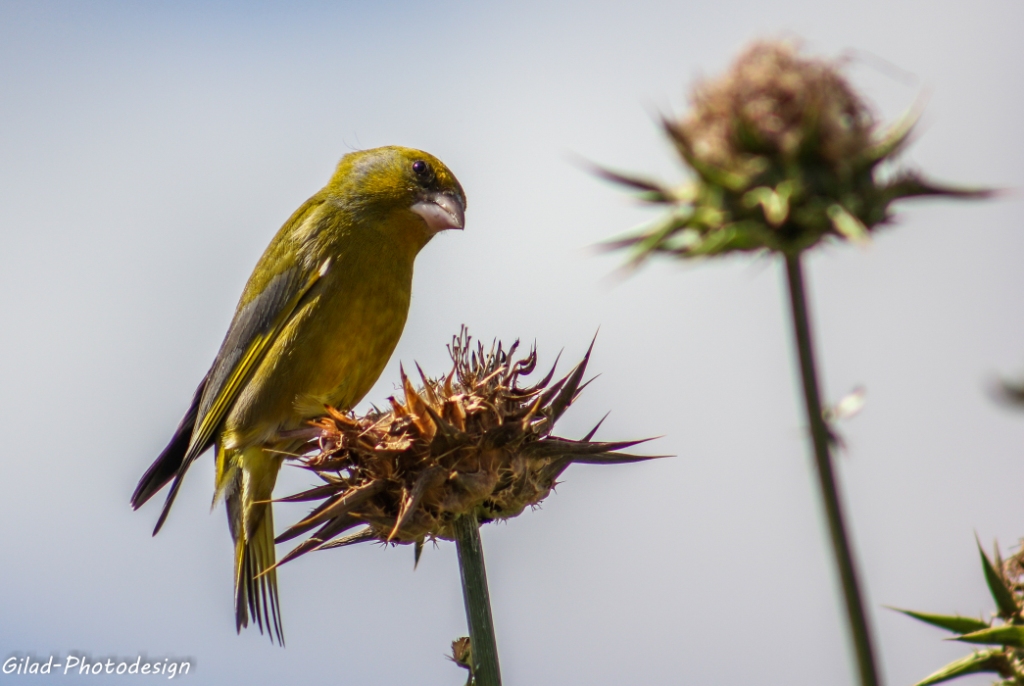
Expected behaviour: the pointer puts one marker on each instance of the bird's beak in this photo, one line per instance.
(441, 211)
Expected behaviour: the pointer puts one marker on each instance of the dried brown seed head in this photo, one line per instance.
(478, 440)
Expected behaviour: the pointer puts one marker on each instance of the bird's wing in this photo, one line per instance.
(253, 330)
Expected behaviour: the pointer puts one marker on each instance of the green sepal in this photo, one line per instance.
(997, 585)
(774, 202)
(983, 661)
(895, 138)
(1005, 635)
(847, 225)
(960, 625)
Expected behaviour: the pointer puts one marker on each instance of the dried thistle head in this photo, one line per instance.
(785, 153)
(475, 441)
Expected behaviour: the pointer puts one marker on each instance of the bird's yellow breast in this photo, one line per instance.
(334, 347)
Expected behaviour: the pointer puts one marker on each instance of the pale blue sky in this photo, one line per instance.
(147, 154)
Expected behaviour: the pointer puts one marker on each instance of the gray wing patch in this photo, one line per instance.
(257, 317)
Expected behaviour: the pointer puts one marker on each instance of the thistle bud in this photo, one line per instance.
(785, 153)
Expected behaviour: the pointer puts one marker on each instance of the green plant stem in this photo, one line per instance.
(478, 603)
(856, 615)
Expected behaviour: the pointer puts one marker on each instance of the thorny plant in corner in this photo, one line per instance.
(1004, 631)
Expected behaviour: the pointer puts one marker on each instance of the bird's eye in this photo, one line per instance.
(420, 167)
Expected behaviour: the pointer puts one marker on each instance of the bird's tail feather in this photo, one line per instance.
(252, 526)
(255, 587)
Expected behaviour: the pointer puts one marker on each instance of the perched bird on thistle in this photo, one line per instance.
(315, 326)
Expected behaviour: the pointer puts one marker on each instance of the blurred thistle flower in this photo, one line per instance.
(785, 153)
(475, 442)
(1005, 630)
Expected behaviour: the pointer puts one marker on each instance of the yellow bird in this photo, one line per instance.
(315, 326)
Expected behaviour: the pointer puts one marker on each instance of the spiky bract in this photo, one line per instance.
(475, 441)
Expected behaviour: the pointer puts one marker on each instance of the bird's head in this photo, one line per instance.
(413, 188)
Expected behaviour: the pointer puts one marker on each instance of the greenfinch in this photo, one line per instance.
(315, 326)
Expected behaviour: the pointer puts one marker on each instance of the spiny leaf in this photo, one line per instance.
(960, 625)
(997, 585)
(1005, 635)
(983, 661)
